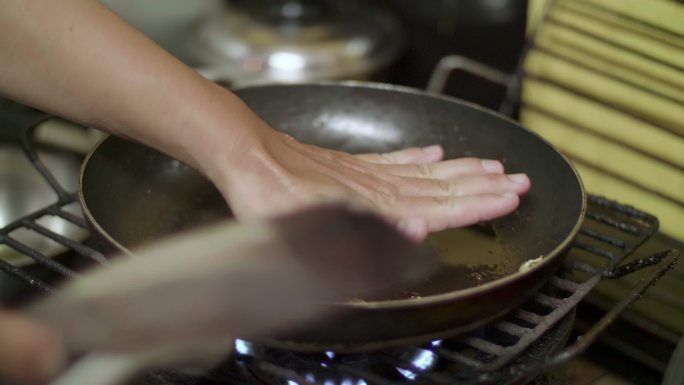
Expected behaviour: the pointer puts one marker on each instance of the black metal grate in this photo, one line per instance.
(30, 222)
(492, 354)
(498, 353)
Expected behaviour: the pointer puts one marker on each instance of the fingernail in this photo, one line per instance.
(518, 178)
(492, 166)
(404, 225)
(509, 194)
(409, 227)
(433, 150)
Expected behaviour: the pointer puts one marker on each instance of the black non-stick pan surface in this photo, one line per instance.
(133, 195)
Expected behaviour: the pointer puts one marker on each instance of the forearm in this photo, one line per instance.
(76, 59)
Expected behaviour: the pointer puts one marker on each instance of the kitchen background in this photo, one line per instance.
(602, 79)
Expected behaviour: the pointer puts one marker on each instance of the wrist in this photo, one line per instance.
(232, 147)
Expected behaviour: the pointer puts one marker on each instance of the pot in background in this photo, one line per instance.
(288, 41)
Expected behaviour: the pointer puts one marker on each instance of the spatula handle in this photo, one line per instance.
(102, 369)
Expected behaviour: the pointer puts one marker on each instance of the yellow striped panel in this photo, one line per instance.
(666, 14)
(605, 83)
(612, 157)
(618, 93)
(553, 35)
(619, 36)
(596, 63)
(670, 214)
(606, 121)
(595, 10)
(535, 11)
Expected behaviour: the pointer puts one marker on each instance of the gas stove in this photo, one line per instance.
(519, 347)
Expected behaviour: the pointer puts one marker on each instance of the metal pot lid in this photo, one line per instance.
(294, 41)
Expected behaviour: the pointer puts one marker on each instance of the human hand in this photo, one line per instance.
(413, 188)
(29, 352)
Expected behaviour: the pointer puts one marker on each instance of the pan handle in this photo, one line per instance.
(103, 369)
(448, 64)
(114, 368)
(666, 261)
(638, 264)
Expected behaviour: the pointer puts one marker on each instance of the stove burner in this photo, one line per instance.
(434, 363)
(397, 366)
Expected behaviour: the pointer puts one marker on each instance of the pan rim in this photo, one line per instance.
(394, 303)
(86, 209)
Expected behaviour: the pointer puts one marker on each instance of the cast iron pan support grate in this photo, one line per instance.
(491, 355)
(21, 134)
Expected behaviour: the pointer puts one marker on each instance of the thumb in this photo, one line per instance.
(29, 352)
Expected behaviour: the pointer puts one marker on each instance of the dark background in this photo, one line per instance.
(491, 31)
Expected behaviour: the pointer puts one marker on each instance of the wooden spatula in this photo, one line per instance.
(182, 300)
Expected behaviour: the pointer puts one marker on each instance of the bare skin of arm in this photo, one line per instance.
(78, 60)
(29, 352)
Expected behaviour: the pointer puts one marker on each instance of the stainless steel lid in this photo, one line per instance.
(294, 41)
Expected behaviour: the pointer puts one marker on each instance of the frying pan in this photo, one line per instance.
(132, 195)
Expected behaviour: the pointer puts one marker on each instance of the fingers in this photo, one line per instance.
(437, 195)
(413, 188)
(448, 169)
(415, 155)
(467, 185)
(29, 353)
(440, 213)
(414, 228)
(429, 205)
